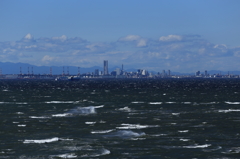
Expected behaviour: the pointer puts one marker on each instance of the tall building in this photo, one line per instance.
(96, 72)
(105, 67)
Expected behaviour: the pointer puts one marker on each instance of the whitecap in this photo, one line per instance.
(155, 102)
(137, 102)
(100, 106)
(175, 113)
(68, 155)
(127, 109)
(232, 102)
(186, 102)
(22, 125)
(88, 122)
(170, 102)
(197, 146)
(138, 138)
(4, 102)
(82, 110)
(184, 140)
(19, 113)
(99, 153)
(41, 141)
(229, 110)
(77, 111)
(125, 134)
(21, 103)
(61, 115)
(57, 102)
(135, 126)
(183, 131)
(39, 117)
(102, 131)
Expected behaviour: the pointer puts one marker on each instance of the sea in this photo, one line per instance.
(120, 118)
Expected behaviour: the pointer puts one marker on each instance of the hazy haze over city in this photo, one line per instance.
(183, 36)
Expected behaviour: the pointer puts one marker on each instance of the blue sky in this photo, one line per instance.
(184, 36)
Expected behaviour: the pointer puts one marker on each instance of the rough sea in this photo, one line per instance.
(130, 118)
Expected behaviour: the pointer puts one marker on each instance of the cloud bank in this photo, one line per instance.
(183, 53)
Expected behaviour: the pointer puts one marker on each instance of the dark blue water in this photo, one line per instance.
(167, 118)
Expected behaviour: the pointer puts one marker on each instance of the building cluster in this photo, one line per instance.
(117, 73)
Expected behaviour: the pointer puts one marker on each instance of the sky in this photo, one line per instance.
(182, 36)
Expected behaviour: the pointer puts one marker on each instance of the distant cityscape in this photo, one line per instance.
(105, 74)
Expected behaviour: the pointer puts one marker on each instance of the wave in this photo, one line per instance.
(229, 110)
(68, 155)
(135, 126)
(100, 106)
(57, 102)
(102, 131)
(197, 146)
(82, 110)
(77, 111)
(39, 117)
(125, 134)
(127, 109)
(155, 102)
(100, 152)
(90, 123)
(41, 141)
(232, 102)
(136, 102)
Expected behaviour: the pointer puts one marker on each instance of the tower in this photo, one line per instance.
(105, 67)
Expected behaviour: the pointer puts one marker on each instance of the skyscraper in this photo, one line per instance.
(105, 67)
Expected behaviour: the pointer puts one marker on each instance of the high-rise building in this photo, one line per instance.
(105, 67)
(96, 72)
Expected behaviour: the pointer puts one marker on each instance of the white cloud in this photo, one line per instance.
(61, 38)
(175, 52)
(28, 36)
(130, 38)
(171, 38)
(139, 41)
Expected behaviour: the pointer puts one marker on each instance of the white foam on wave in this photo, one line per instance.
(19, 113)
(61, 115)
(90, 123)
(67, 155)
(23, 125)
(232, 102)
(135, 126)
(77, 111)
(83, 110)
(155, 102)
(184, 140)
(41, 141)
(102, 131)
(39, 117)
(127, 109)
(229, 110)
(57, 102)
(125, 134)
(197, 146)
(183, 131)
(136, 102)
(21, 103)
(170, 102)
(101, 152)
(100, 106)
(186, 102)
(4, 102)
(175, 113)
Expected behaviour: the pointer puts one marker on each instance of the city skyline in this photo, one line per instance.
(184, 36)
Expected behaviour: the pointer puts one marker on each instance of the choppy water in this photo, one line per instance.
(172, 118)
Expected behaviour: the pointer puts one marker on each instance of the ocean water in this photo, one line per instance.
(134, 118)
